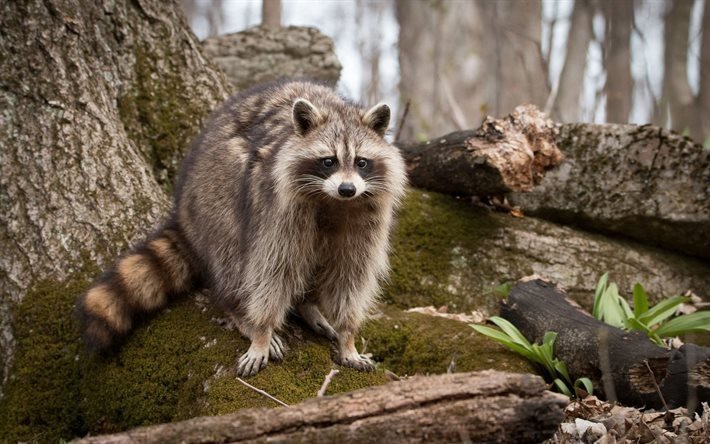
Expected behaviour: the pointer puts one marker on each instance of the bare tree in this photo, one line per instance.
(566, 107)
(619, 16)
(442, 66)
(271, 13)
(676, 102)
(702, 127)
(516, 72)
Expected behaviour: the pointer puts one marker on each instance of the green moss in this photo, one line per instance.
(159, 117)
(432, 255)
(176, 366)
(42, 396)
(412, 343)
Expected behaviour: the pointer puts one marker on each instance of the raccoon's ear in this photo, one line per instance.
(378, 118)
(305, 116)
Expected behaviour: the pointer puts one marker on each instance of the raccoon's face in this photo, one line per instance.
(343, 157)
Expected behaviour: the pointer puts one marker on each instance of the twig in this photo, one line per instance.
(326, 382)
(262, 392)
(658, 389)
(401, 121)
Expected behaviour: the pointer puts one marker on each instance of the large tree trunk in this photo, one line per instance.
(640, 181)
(566, 107)
(470, 407)
(624, 366)
(676, 109)
(619, 86)
(98, 100)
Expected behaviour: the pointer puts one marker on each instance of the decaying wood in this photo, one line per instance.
(503, 155)
(644, 182)
(480, 407)
(617, 361)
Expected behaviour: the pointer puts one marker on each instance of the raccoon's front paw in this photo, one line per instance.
(358, 362)
(276, 348)
(252, 362)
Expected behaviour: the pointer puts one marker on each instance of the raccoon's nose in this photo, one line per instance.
(346, 189)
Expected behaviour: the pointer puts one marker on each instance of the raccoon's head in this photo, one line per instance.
(341, 152)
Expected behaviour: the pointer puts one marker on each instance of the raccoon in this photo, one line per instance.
(285, 203)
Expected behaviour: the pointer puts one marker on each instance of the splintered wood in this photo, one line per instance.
(503, 155)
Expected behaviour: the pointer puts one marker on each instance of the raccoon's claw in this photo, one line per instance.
(324, 329)
(251, 363)
(358, 362)
(276, 348)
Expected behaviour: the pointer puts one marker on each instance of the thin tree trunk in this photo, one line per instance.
(677, 98)
(271, 13)
(88, 123)
(619, 84)
(516, 71)
(702, 129)
(567, 101)
(440, 49)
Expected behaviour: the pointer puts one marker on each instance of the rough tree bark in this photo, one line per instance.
(97, 100)
(480, 407)
(640, 181)
(619, 86)
(503, 155)
(615, 360)
(566, 107)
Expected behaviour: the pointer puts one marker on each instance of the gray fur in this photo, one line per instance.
(271, 237)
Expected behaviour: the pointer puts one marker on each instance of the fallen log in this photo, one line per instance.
(643, 182)
(623, 366)
(503, 155)
(483, 406)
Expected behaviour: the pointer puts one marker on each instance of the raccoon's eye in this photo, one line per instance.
(328, 162)
(361, 163)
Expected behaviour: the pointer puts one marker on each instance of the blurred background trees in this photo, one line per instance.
(455, 61)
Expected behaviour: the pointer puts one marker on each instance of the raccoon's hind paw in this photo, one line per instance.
(276, 348)
(324, 329)
(251, 362)
(358, 362)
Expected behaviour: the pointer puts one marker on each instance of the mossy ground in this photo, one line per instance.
(180, 364)
(432, 255)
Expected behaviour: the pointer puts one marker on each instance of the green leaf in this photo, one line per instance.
(611, 311)
(562, 387)
(662, 311)
(504, 339)
(511, 330)
(601, 288)
(698, 321)
(586, 382)
(625, 306)
(635, 324)
(640, 300)
(561, 368)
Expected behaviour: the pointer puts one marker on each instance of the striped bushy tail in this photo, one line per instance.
(141, 282)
